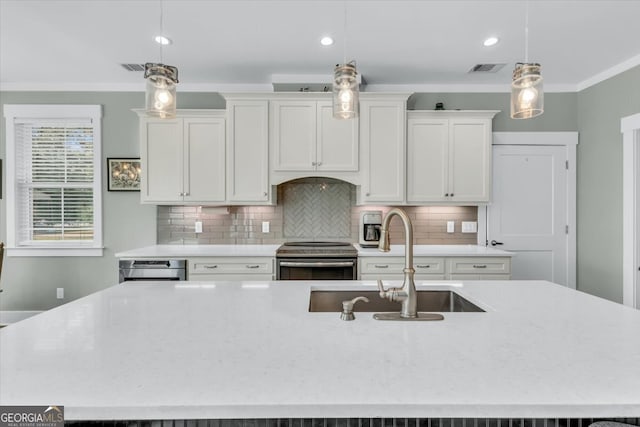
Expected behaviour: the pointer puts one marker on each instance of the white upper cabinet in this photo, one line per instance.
(306, 137)
(248, 151)
(336, 140)
(382, 137)
(183, 159)
(449, 156)
(293, 135)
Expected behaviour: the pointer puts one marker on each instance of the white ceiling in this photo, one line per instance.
(220, 45)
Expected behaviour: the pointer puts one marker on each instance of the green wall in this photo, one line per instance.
(30, 283)
(600, 108)
(560, 112)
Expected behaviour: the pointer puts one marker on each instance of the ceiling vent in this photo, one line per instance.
(133, 67)
(486, 68)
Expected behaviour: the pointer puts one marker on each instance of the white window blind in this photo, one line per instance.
(56, 181)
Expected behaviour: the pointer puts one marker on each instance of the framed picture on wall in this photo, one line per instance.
(124, 174)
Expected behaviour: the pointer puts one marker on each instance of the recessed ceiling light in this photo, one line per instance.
(326, 41)
(162, 40)
(490, 41)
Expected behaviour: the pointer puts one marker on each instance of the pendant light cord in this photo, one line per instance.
(526, 32)
(344, 23)
(161, 29)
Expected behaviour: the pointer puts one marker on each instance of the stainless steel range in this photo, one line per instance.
(316, 261)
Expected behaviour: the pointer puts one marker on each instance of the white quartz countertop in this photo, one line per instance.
(436, 250)
(183, 251)
(180, 350)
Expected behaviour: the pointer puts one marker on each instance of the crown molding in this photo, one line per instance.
(608, 73)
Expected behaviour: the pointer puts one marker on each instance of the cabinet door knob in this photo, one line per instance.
(446, 195)
(451, 194)
(313, 163)
(368, 194)
(265, 194)
(319, 163)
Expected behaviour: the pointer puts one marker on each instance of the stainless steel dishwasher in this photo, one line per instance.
(153, 269)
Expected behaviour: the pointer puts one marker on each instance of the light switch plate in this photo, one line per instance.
(469, 227)
(198, 227)
(60, 293)
(451, 226)
(265, 226)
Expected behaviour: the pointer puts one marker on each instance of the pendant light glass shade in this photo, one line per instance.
(345, 91)
(527, 95)
(161, 90)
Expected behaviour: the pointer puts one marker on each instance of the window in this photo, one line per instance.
(54, 199)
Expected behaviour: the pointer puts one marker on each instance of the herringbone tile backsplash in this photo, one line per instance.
(307, 209)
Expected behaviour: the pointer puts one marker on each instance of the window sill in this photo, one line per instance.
(54, 252)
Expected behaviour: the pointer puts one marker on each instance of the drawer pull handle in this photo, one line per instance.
(253, 266)
(210, 267)
(479, 265)
(423, 266)
(381, 266)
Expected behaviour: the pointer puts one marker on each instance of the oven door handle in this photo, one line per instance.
(317, 264)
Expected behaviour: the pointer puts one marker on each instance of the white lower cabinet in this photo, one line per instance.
(230, 268)
(436, 268)
(475, 268)
(391, 268)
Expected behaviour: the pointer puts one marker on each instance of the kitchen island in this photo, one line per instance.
(216, 350)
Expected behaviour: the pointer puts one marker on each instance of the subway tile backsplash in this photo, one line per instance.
(308, 209)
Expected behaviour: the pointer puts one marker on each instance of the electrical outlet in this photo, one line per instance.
(198, 227)
(60, 293)
(451, 226)
(265, 226)
(469, 227)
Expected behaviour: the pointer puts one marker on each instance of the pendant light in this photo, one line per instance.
(160, 94)
(345, 84)
(527, 94)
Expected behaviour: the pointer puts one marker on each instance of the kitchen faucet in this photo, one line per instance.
(407, 293)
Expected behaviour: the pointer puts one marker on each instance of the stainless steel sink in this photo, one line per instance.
(428, 301)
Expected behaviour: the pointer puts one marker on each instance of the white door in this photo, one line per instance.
(529, 212)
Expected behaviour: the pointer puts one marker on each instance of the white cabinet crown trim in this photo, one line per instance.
(198, 112)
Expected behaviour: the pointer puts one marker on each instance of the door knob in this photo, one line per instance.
(494, 243)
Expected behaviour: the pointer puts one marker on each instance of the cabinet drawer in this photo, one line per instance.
(224, 265)
(381, 265)
(480, 265)
(391, 265)
(428, 265)
(235, 277)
